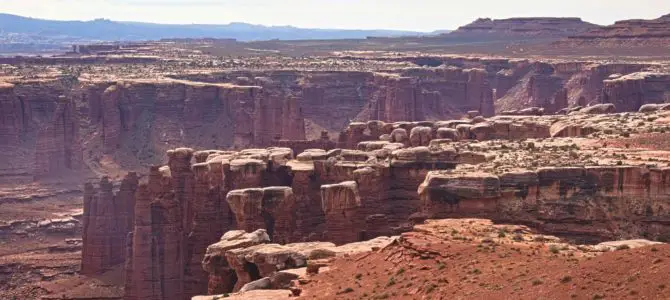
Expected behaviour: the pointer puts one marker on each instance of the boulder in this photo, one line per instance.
(420, 136)
(605, 108)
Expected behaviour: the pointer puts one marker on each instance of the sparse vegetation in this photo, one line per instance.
(623, 247)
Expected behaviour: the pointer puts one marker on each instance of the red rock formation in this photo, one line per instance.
(299, 146)
(40, 129)
(156, 266)
(600, 202)
(240, 258)
(430, 94)
(628, 33)
(107, 220)
(630, 92)
(222, 278)
(11, 118)
(520, 28)
(58, 146)
(270, 208)
(555, 86)
(209, 223)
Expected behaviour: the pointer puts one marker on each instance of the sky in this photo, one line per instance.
(418, 15)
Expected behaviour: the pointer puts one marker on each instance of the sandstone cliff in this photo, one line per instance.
(632, 91)
(592, 203)
(40, 129)
(508, 168)
(107, 220)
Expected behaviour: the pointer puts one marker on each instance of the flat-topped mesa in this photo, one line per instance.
(270, 208)
(107, 221)
(629, 29)
(522, 28)
(594, 202)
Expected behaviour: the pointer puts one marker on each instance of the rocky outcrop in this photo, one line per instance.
(555, 86)
(107, 220)
(222, 278)
(247, 261)
(598, 109)
(181, 207)
(630, 92)
(594, 203)
(271, 208)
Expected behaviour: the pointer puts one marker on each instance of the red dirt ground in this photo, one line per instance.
(434, 266)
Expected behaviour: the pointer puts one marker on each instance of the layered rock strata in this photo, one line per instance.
(593, 202)
(522, 28)
(470, 167)
(107, 220)
(240, 258)
(39, 129)
(630, 92)
(184, 207)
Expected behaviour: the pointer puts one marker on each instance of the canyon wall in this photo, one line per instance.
(40, 129)
(630, 92)
(592, 203)
(132, 122)
(415, 170)
(184, 207)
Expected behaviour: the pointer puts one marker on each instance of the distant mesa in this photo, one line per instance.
(524, 27)
(625, 34)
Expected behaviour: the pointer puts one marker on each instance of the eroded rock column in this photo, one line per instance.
(106, 224)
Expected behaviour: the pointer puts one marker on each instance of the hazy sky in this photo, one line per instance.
(423, 15)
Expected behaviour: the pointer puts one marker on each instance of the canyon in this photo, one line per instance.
(384, 189)
(168, 170)
(54, 124)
